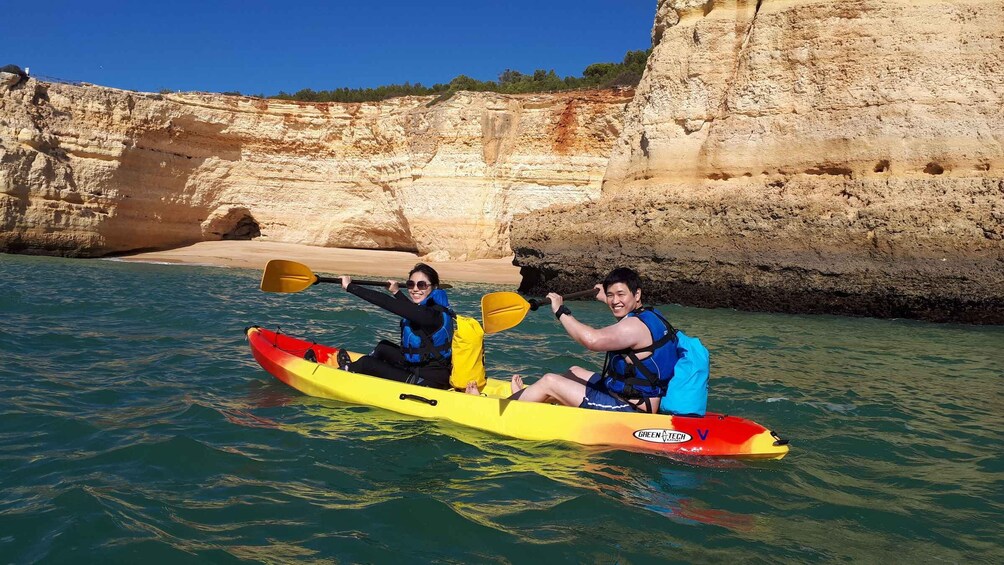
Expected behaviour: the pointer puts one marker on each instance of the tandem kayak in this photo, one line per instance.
(715, 435)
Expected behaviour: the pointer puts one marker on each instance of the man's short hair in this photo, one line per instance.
(623, 275)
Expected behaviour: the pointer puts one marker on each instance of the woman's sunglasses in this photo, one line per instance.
(422, 285)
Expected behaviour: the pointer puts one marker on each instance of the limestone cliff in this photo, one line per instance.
(89, 171)
(803, 156)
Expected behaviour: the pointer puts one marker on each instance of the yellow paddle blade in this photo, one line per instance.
(286, 276)
(502, 310)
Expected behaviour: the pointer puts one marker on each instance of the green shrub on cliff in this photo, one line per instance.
(598, 75)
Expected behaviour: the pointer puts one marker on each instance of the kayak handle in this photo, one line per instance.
(429, 401)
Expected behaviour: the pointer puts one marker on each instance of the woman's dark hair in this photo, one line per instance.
(623, 275)
(426, 270)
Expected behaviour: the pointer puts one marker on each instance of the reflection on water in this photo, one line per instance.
(493, 459)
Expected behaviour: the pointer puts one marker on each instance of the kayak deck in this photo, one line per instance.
(715, 435)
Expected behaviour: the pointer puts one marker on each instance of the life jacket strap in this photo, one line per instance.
(427, 350)
(631, 381)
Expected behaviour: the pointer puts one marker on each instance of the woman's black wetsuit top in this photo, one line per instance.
(387, 360)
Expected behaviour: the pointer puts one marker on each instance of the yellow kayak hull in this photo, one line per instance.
(711, 435)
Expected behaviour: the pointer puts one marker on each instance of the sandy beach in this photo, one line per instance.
(332, 261)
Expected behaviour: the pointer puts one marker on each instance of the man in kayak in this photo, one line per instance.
(640, 347)
(425, 354)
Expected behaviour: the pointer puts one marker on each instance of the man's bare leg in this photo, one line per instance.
(568, 389)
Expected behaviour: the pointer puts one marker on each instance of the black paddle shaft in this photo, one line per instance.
(338, 280)
(363, 282)
(534, 303)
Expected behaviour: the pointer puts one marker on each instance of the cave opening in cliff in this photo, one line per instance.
(934, 169)
(231, 223)
(245, 228)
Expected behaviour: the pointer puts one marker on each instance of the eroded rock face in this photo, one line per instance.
(803, 156)
(88, 171)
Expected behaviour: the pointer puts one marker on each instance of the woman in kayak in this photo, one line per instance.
(425, 354)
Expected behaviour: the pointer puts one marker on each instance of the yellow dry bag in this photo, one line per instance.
(468, 354)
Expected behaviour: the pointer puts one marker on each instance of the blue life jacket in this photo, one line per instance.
(649, 377)
(419, 346)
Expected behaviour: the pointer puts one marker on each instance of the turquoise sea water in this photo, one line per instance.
(136, 426)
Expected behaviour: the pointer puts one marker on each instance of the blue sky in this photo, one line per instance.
(264, 47)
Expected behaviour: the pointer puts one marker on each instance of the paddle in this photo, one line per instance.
(504, 310)
(289, 276)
